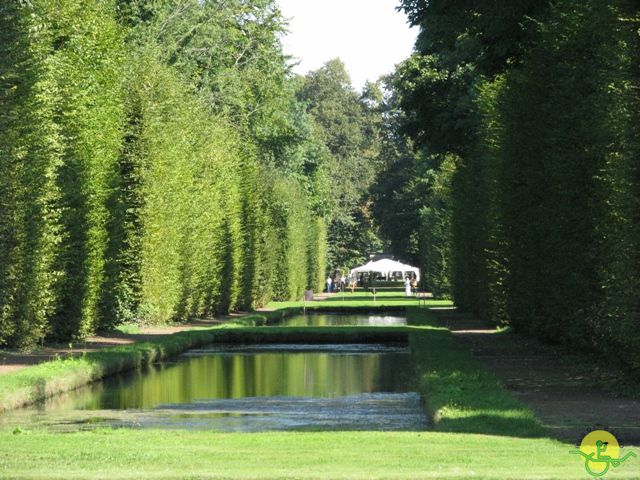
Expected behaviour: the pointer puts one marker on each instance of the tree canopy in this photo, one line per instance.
(349, 125)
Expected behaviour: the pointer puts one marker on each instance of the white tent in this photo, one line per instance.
(386, 267)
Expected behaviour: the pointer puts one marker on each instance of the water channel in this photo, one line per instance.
(249, 388)
(343, 320)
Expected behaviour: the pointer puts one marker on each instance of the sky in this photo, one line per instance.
(368, 35)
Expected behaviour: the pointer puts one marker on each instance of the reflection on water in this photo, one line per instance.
(207, 374)
(339, 320)
(253, 388)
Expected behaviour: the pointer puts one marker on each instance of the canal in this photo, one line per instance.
(251, 388)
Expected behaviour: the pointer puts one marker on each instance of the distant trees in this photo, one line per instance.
(527, 119)
(156, 166)
(412, 200)
(349, 125)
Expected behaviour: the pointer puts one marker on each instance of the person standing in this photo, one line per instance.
(407, 287)
(329, 282)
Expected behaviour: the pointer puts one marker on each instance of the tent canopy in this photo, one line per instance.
(385, 266)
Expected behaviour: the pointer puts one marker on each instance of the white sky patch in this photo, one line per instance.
(370, 36)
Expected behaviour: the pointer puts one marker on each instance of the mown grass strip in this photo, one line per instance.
(460, 395)
(159, 454)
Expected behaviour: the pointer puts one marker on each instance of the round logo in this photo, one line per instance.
(601, 451)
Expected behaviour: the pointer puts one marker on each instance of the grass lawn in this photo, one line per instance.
(480, 429)
(134, 454)
(362, 298)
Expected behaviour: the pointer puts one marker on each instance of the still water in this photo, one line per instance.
(340, 320)
(248, 388)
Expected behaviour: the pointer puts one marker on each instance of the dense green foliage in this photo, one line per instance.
(349, 126)
(60, 142)
(156, 166)
(536, 108)
(412, 200)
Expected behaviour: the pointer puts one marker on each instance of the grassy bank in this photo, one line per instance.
(459, 393)
(50, 378)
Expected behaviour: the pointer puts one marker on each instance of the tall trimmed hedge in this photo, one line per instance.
(434, 227)
(297, 243)
(61, 71)
(545, 194)
(316, 254)
(190, 217)
(124, 196)
(27, 178)
(555, 147)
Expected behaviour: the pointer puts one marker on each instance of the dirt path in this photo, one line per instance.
(570, 393)
(12, 360)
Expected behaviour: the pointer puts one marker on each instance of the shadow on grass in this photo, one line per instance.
(460, 394)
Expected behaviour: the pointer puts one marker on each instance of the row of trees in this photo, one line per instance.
(517, 146)
(158, 162)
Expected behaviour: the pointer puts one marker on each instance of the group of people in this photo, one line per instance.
(337, 284)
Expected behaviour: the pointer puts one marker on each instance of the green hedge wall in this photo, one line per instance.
(123, 195)
(61, 70)
(539, 103)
